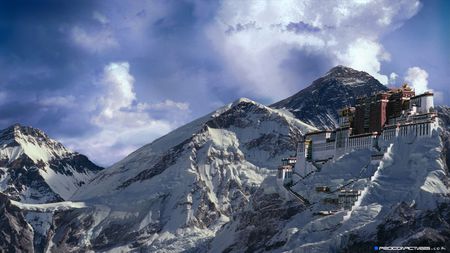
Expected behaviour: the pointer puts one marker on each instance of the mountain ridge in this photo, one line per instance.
(36, 168)
(210, 186)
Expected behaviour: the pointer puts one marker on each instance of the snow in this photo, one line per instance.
(36, 149)
(4, 179)
(411, 173)
(41, 222)
(65, 185)
(39, 153)
(49, 207)
(207, 174)
(210, 177)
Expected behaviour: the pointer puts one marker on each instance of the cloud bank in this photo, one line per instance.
(259, 40)
(107, 78)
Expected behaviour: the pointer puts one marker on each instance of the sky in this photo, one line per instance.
(106, 77)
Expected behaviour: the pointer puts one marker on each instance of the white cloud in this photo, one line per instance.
(123, 123)
(59, 101)
(418, 78)
(366, 55)
(256, 37)
(119, 94)
(393, 78)
(165, 105)
(100, 17)
(95, 41)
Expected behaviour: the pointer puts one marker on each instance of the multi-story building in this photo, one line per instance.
(373, 112)
(373, 124)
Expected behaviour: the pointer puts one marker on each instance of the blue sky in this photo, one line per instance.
(106, 77)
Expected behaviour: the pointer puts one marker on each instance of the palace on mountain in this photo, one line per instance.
(373, 123)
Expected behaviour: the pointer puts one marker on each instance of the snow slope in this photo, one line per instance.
(177, 192)
(210, 186)
(411, 176)
(37, 169)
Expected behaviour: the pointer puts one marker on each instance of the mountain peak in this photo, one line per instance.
(243, 100)
(33, 142)
(17, 130)
(318, 103)
(36, 168)
(347, 75)
(341, 69)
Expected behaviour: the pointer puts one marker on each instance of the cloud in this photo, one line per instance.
(393, 78)
(118, 85)
(364, 54)
(255, 37)
(58, 101)
(95, 41)
(182, 59)
(100, 17)
(123, 124)
(418, 78)
(438, 97)
(166, 104)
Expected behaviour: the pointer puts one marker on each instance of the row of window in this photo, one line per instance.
(323, 146)
(360, 142)
(417, 129)
(388, 134)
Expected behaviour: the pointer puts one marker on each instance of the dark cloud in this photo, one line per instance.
(300, 27)
(242, 27)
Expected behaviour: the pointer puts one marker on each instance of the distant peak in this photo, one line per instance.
(339, 67)
(243, 100)
(14, 131)
(341, 70)
(36, 144)
(347, 76)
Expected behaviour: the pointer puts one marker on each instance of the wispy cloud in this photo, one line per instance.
(100, 17)
(94, 41)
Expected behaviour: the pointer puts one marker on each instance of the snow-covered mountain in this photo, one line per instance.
(210, 186)
(36, 169)
(177, 192)
(319, 103)
(404, 201)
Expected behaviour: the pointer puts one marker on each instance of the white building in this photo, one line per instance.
(316, 148)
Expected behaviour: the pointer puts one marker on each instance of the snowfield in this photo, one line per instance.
(410, 174)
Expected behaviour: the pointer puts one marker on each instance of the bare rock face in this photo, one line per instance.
(15, 233)
(319, 103)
